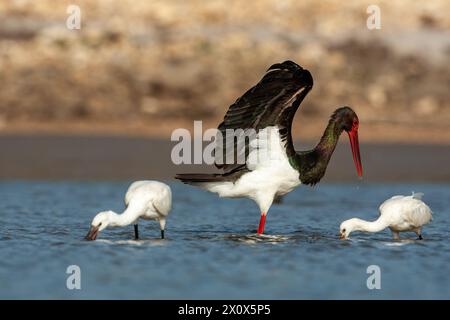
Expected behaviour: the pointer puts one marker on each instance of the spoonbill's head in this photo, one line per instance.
(347, 120)
(347, 227)
(100, 222)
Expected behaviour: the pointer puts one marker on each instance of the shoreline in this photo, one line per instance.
(93, 157)
(304, 129)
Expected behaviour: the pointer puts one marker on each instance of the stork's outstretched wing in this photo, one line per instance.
(271, 102)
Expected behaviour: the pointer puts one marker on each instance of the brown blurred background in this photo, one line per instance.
(142, 68)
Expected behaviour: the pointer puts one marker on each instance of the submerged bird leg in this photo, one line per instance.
(419, 234)
(136, 232)
(262, 222)
(162, 224)
(395, 235)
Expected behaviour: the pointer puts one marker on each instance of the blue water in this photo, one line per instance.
(211, 251)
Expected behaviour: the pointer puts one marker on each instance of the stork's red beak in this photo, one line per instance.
(353, 135)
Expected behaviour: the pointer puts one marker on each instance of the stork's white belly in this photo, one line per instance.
(270, 172)
(277, 180)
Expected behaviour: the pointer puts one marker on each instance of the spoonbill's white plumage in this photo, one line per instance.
(148, 200)
(399, 213)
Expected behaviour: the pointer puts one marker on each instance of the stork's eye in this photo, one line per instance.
(99, 224)
(343, 230)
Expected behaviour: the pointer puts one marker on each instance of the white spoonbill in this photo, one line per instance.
(399, 213)
(149, 200)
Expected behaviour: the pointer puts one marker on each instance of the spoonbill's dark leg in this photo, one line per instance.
(162, 225)
(395, 235)
(136, 232)
(419, 234)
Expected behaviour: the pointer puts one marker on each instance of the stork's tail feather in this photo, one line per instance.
(199, 178)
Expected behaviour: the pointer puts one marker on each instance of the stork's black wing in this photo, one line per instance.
(271, 102)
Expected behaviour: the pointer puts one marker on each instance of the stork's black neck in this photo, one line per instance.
(312, 164)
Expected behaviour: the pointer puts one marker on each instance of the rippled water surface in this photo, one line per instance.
(211, 250)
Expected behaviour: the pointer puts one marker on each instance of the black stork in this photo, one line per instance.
(272, 167)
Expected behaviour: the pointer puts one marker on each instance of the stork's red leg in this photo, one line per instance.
(262, 222)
